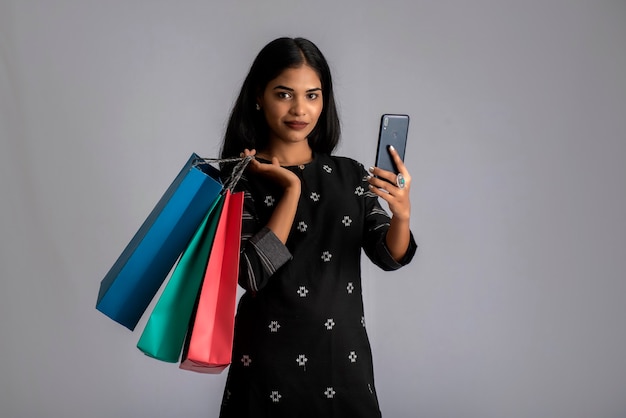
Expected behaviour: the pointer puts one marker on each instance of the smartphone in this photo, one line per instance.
(393, 130)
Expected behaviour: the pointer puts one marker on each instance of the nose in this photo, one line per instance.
(298, 107)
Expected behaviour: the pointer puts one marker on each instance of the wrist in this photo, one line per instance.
(401, 220)
(293, 188)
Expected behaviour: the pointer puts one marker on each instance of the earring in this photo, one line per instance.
(258, 106)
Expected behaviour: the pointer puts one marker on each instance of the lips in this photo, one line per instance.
(296, 125)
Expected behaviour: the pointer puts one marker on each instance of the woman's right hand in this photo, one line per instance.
(273, 171)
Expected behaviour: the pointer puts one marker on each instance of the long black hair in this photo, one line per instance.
(247, 127)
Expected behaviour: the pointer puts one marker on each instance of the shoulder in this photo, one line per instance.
(345, 164)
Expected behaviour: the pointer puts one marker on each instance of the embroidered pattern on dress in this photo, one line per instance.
(359, 191)
(346, 221)
(275, 396)
(303, 291)
(352, 356)
(315, 196)
(326, 256)
(269, 201)
(302, 360)
(330, 393)
(327, 168)
(350, 288)
(246, 360)
(273, 326)
(329, 324)
(302, 226)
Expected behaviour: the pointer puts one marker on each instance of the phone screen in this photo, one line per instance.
(393, 131)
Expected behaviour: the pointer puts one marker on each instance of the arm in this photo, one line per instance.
(399, 233)
(398, 238)
(282, 219)
(263, 249)
(285, 212)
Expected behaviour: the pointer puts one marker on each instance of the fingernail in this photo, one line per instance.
(391, 147)
(371, 169)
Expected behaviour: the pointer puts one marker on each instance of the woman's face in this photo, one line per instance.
(292, 104)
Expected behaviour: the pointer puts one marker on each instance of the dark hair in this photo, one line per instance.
(247, 127)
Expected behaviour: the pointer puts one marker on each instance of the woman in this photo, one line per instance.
(301, 348)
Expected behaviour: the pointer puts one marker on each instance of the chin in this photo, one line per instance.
(296, 138)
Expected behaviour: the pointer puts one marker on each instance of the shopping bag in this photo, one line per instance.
(164, 334)
(209, 344)
(128, 288)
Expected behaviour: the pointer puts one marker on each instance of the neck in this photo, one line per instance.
(288, 154)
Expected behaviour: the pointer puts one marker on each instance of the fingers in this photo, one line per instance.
(403, 174)
(271, 170)
(398, 198)
(254, 165)
(247, 152)
(383, 174)
(378, 179)
(397, 160)
(393, 186)
(388, 181)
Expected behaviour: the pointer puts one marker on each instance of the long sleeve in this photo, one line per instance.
(262, 253)
(375, 230)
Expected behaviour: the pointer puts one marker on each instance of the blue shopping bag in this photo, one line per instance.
(130, 285)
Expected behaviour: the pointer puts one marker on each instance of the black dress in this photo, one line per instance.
(301, 347)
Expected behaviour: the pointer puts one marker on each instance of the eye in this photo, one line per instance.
(313, 96)
(283, 95)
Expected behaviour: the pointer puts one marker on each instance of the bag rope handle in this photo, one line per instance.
(240, 167)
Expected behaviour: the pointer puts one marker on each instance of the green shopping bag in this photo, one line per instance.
(164, 334)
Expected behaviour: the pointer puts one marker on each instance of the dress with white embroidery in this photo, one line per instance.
(301, 347)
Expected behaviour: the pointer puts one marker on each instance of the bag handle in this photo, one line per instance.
(240, 167)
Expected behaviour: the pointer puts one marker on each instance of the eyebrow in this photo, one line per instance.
(290, 89)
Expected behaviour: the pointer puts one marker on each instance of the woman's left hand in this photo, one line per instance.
(392, 188)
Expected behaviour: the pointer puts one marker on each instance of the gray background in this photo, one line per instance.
(514, 307)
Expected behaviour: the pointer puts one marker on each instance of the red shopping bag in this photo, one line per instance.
(209, 344)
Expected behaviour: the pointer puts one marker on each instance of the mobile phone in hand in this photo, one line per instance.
(393, 130)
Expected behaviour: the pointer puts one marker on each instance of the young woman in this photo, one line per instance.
(301, 347)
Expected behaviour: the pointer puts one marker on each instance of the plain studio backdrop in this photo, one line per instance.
(514, 306)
